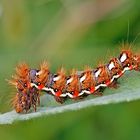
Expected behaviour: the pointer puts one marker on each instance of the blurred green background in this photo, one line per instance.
(69, 33)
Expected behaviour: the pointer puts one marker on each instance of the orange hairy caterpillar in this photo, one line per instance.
(75, 86)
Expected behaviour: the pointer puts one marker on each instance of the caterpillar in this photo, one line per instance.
(79, 84)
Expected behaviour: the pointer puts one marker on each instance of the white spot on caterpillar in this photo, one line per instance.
(97, 73)
(123, 58)
(38, 73)
(63, 95)
(111, 66)
(84, 91)
(135, 58)
(70, 95)
(34, 85)
(51, 90)
(97, 87)
(56, 78)
(126, 69)
(70, 80)
(45, 89)
(83, 78)
(117, 76)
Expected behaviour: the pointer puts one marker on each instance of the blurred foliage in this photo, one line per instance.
(69, 33)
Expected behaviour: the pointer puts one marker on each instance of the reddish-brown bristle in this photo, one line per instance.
(74, 85)
(87, 68)
(126, 47)
(22, 74)
(22, 70)
(89, 80)
(104, 75)
(60, 83)
(12, 82)
(61, 71)
(101, 63)
(44, 72)
(117, 67)
(44, 66)
(15, 103)
(73, 72)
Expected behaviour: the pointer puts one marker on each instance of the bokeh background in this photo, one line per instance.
(69, 33)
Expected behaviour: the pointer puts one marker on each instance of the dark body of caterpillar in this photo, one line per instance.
(78, 85)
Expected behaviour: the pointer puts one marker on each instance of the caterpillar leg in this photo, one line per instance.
(114, 84)
(59, 99)
(99, 92)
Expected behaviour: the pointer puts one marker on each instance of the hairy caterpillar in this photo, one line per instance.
(29, 82)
